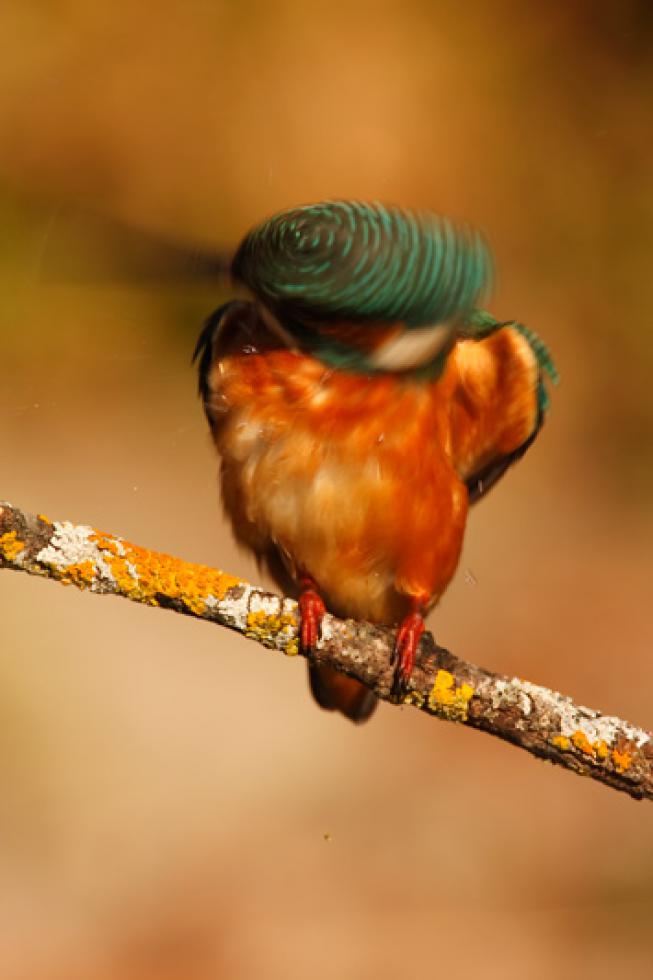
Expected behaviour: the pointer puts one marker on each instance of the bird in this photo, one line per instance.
(361, 399)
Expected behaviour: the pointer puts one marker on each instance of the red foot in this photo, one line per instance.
(311, 611)
(406, 644)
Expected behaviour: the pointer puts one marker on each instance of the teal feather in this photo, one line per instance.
(544, 359)
(347, 260)
(367, 262)
(481, 324)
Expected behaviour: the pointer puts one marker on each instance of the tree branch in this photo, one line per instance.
(545, 723)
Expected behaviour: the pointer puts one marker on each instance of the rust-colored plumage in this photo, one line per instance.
(358, 482)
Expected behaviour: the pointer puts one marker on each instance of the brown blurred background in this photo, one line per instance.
(173, 805)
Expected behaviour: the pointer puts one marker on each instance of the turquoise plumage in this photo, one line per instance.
(354, 261)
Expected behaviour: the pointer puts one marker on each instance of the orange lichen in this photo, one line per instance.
(448, 700)
(266, 628)
(582, 743)
(80, 574)
(601, 749)
(44, 519)
(416, 698)
(561, 742)
(105, 542)
(149, 576)
(621, 760)
(598, 750)
(11, 545)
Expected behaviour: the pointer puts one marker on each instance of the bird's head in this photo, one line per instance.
(366, 287)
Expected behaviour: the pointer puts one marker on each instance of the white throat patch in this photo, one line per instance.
(411, 348)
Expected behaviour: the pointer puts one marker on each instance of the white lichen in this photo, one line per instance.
(572, 718)
(511, 693)
(71, 544)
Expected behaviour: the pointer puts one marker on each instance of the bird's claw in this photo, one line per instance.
(311, 613)
(403, 658)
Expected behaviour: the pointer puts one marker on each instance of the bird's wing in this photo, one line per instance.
(499, 403)
(484, 479)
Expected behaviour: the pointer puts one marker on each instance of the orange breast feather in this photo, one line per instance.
(359, 480)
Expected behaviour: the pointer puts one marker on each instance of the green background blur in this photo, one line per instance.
(173, 805)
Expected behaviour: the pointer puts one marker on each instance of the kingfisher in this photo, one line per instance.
(361, 400)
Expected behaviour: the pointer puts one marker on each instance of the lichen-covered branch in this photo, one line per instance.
(545, 723)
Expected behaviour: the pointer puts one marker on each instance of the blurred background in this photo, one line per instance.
(173, 804)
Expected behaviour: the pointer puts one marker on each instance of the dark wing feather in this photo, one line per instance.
(484, 479)
(235, 328)
(203, 353)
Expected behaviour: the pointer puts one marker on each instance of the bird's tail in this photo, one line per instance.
(337, 692)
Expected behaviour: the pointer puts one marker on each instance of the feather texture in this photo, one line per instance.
(360, 403)
(318, 463)
(355, 261)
